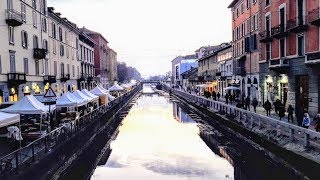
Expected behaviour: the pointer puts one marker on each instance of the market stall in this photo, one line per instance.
(115, 90)
(103, 96)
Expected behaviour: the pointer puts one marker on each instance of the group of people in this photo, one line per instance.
(215, 96)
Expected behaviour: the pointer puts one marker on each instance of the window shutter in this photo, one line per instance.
(22, 39)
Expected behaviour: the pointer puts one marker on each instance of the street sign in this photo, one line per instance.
(50, 93)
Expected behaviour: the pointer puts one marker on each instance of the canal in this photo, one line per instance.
(161, 139)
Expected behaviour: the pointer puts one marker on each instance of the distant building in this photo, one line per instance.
(225, 74)
(180, 65)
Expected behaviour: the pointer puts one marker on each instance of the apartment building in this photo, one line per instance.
(63, 53)
(24, 48)
(245, 46)
(225, 74)
(86, 79)
(112, 66)
(290, 52)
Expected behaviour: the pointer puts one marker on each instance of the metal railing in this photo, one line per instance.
(27, 155)
(14, 15)
(251, 119)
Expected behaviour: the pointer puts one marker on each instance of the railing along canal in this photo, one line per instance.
(251, 119)
(27, 155)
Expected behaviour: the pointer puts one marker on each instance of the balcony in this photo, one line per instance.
(279, 31)
(13, 18)
(218, 74)
(240, 71)
(90, 79)
(297, 25)
(49, 79)
(312, 58)
(314, 17)
(265, 36)
(279, 63)
(65, 77)
(82, 78)
(39, 53)
(15, 79)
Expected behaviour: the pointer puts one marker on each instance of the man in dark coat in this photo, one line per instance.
(247, 101)
(267, 107)
(255, 104)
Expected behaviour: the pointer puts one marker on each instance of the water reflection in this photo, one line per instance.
(152, 143)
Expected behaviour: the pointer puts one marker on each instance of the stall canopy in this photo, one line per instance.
(7, 119)
(28, 105)
(79, 94)
(98, 91)
(69, 100)
(111, 98)
(231, 88)
(89, 94)
(103, 89)
(116, 87)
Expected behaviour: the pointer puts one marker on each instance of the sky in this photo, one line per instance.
(148, 34)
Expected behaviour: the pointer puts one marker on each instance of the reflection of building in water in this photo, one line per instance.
(180, 115)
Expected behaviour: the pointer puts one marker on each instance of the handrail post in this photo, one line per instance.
(306, 140)
(46, 144)
(33, 157)
(17, 161)
(291, 134)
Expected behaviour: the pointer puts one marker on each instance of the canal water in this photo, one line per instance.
(160, 140)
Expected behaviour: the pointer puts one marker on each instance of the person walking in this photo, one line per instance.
(299, 115)
(218, 95)
(255, 104)
(227, 98)
(290, 111)
(214, 95)
(282, 111)
(248, 103)
(267, 107)
(277, 105)
(306, 121)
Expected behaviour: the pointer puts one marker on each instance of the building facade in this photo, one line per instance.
(290, 52)
(86, 79)
(180, 65)
(112, 66)
(207, 70)
(245, 46)
(63, 54)
(101, 59)
(24, 47)
(225, 74)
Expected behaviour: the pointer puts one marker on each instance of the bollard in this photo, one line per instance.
(307, 140)
(46, 144)
(17, 161)
(33, 157)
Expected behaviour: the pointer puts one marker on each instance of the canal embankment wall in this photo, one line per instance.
(306, 165)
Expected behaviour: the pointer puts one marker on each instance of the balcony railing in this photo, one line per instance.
(219, 74)
(15, 79)
(313, 17)
(49, 79)
(13, 17)
(65, 77)
(265, 36)
(279, 63)
(297, 25)
(313, 58)
(90, 78)
(39, 53)
(240, 71)
(279, 31)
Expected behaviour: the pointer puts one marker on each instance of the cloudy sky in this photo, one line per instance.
(148, 34)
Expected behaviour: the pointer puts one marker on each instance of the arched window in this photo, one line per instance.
(255, 81)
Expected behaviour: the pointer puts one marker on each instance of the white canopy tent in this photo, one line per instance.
(69, 100)
(7, 119)
(79, 94)
(89, 94)
(231, 88)
(98, 91)
(28, 105)
(116, 87)
(102, 88)
(111, 98)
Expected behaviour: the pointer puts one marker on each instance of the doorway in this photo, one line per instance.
(302, 90)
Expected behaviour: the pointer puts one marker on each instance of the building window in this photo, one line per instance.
(242, 8)
(12, 62)
(11, 35)
(34, 19)
(43, 7)
(248, 4)
(301, 45)
(34, 4)
(54, 47)
(23, 12)
(45, 45)
(268, 26)
(44, 24)
(254, 23)
(46, 67)
(26, 66)
(254, 1)
(282, 48)
(60, 34)
(68, 69)
(237, 12)
(35, 42)
(78, 71)
(54, 33)
(67, 51)
(268, 51)
(24, 38)
(0, 65)
(37, 68)
(55, 68)
(61, 50)
(62, 69)
(267, 2)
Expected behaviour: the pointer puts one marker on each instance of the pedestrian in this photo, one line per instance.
(277, 105)
(214, 95)
(290, 111)
(267, 107)
(231, 98)
(248, 103)
(306, 121)
(218, 95)
(227, 98)
(299, 115)
(282, 111)
(255, 104)
(317, 122)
